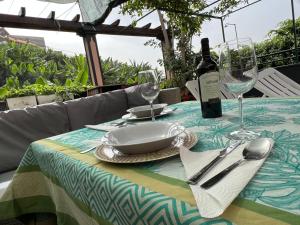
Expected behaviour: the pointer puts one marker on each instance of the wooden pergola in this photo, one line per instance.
(87, 31)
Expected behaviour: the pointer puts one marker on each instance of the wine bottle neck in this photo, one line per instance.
(205, 52)
(206, 56)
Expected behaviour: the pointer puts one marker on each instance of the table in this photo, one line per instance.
(54, 177)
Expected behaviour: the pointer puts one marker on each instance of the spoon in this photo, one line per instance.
(255, 150)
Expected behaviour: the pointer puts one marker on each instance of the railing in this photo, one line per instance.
(269, 61)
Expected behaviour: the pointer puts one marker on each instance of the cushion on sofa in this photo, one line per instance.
(18, 128)
(135, 98)
(96, 109)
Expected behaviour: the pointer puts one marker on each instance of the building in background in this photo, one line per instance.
(37, 41)
(3, 35)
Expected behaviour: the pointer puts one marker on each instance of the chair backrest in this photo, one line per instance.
(192, 86)
(272, 83)
(226, 94)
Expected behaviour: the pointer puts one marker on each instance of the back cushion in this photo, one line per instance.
(135, 98)
(18, 128)
(97, 109)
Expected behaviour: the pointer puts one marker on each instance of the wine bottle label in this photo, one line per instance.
(209, 85)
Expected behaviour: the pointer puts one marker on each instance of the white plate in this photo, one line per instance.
(130, 116)
(145, 110)
(110, 154)
(143, 137)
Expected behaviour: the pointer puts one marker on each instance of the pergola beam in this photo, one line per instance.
(77, 27)
(93, 59)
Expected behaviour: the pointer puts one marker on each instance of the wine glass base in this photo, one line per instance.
(242, 134)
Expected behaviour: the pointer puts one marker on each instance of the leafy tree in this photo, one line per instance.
(27, 63)
(279, 39)
(187, 23)
(179, 59)
(116, 72)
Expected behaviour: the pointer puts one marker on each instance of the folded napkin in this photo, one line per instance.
(102, 127)
(213, 201)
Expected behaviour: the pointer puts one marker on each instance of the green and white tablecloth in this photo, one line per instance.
(54, 177)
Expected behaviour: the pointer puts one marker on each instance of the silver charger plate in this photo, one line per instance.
(130, 116)
(112, 155)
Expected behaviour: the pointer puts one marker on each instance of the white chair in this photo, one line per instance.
(192, 85)
(272, 83)
(226, 94)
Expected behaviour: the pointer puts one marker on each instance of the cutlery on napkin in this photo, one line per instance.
(213, 202)
(203, 171)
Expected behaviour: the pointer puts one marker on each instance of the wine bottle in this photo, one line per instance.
(208, 84)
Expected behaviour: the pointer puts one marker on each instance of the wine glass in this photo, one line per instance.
(149, 81)
(238, 74)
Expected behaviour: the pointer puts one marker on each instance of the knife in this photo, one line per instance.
(196, 177)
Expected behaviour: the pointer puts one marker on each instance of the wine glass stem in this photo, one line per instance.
(152, 113)
(240, 98)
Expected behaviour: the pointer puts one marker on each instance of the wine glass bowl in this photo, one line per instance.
(238, 68)
(149, 91)
(238, 75)
(149, 86)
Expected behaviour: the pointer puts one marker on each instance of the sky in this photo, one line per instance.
(254, 22)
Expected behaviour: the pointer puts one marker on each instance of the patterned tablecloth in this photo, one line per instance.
(54, 177)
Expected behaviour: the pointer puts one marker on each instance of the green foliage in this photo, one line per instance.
(182, 23)
(29, 70)
(38, 89)
(179, 61)
(3, 91)
(28, 63)
(116, 72)
(12, 88)
(26, 91)
(280, 39)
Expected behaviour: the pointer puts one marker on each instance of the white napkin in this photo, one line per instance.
(108, 127)
(102, 127)
(213, 201)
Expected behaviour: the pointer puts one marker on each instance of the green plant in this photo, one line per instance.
(29, 62)
(116, 72)
(12, 88)
(182, 27)
(26, 91)
(281, 38)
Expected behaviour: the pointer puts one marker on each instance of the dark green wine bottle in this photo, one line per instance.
(208, 84)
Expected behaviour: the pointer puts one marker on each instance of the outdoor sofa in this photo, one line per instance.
(20, 127)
